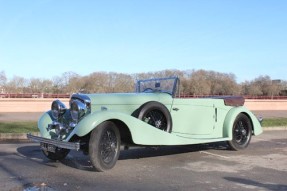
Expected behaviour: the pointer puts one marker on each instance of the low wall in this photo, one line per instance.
(41, 105)
(266, 105)
(27, 105)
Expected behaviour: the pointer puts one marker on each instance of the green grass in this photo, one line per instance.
(18, 127)
(274, 122)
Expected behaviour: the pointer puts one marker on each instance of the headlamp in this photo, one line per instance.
(78, 110)
(58, 109)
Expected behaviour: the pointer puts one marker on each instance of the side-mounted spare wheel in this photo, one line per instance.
(157, 115)
(241, 132)
(104, 146)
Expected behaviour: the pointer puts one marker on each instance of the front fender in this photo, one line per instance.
(85, 126)
(91, 121)
(231, 116)
(141, 132)
(43, 122)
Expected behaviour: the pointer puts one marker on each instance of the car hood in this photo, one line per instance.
(129, 98)
(124, 98)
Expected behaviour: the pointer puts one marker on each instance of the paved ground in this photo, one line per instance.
(271, 114)
(263, 166)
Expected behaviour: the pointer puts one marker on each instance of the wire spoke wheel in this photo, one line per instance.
(104, 146)
(156, 118)
(108, 146)
(241, 132)
(157, 115)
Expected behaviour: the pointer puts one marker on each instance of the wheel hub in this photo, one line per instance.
(243, 132)
(113, 146)
(158, 124)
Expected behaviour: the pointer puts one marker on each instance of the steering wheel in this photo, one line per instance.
(148, 90)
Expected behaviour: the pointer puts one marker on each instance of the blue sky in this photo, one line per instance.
(45, 38)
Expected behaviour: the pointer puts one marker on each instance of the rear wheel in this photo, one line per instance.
(104, 146)
(241, 132)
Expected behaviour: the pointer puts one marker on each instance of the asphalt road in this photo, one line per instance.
(262, 166)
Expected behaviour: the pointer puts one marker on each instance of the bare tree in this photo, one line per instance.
(158, 74)
(75, 84)
(119, 82)
(35, 85)
(47, 86)
(17, 85)
(62, 84)
(195, 82)
(202, 82)
(229, 85)
(3, 80)
(262, 86)
(276, 87)
(199, 83)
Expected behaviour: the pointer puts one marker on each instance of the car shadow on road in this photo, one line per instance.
(80, 161)
(248, 182)
(33, 154)
(74, 159)
(148, 152)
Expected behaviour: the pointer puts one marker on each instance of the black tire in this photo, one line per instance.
(104, 146)
(157, 115)
(241, 132)
(59, 154)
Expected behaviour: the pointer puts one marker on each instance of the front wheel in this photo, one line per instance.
(241, 133)
(104, 146)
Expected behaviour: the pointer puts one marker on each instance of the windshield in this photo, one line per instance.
(166, 85)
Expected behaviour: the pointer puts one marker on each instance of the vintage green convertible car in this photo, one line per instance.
(98, 124)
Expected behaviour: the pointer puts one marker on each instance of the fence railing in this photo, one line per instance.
(265, 97)
(37, 95)
(245, 96)
(45, 95)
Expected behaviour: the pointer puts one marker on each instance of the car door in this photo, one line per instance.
(193, 116)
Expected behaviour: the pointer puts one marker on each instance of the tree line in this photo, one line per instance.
(193, 82)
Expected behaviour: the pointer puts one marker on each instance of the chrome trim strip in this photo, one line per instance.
(57, 143)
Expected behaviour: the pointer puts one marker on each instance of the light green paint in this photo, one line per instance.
(195, 121)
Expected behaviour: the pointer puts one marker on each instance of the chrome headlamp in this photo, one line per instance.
(78, 110)
(58, 109)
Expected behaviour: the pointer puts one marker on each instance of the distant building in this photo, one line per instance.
(276, 81)
(283, 91)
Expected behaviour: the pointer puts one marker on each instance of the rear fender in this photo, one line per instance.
(231, 116)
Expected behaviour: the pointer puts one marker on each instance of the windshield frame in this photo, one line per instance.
(157, 82)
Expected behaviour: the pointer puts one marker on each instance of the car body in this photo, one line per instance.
(155, 114)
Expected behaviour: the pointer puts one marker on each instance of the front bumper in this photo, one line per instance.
(57, 143)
